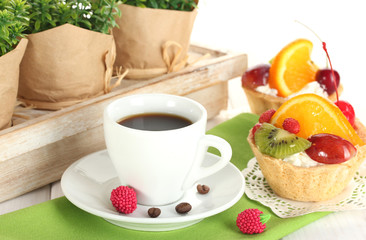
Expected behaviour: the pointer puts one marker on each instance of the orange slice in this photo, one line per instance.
(316, 115)
(292, 68)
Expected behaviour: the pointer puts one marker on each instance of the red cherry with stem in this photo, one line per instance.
(330, 149)
(347, 110)
(331, 68)
(256, 76)
(324, 78)
(344, 106)
(330, 63)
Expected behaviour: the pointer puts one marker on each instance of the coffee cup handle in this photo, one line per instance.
(198, 171)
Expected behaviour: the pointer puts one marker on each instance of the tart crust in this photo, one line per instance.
(314, 184)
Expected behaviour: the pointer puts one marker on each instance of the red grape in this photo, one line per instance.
(325, 78)
(347, 110)
(256, 76)
(330, 149)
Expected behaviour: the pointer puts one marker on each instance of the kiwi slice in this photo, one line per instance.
(278, 143)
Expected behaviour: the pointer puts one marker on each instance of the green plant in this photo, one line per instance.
(104, 14)
(183, 5)
(13, 22)
(96, 15)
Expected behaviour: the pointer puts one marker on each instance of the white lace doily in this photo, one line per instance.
(257, 188)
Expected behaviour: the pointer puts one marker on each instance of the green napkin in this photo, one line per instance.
(59, 219)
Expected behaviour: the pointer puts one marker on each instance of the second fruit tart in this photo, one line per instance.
(316, 128)
(291, 72)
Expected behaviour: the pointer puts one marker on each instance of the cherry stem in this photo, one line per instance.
(326, 52)
(331, 68)
(311, 30)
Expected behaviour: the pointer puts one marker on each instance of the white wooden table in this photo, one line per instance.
(261, 29)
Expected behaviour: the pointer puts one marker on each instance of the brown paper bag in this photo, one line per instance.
(9, 79)
(65, 65)
(152, 42)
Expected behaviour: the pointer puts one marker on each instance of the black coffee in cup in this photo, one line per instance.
(155, 121)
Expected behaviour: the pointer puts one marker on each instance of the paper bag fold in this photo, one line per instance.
(9, 79)
(142, 34)
(65, 65)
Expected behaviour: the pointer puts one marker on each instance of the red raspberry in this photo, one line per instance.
(266, 116)
(124, 199)
(291, 125)
(252, 221)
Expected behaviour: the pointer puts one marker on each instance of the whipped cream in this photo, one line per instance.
(301, 159)
(312, 87)
(267, 90)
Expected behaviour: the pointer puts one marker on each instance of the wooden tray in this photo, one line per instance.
(42, 144)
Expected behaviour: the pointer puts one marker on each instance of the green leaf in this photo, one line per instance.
(154, 4)
(87, 24)
(37, 25)
(264, 218)
(48, 16)
(74, 15)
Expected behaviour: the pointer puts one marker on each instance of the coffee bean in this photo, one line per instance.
(183, 207)
(203, 189)
(154, 212)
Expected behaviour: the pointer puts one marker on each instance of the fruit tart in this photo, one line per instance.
(291, 72)
(308, 149)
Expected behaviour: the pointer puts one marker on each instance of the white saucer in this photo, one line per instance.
(88, 183)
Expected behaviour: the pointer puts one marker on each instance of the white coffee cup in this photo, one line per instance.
(160, 165)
